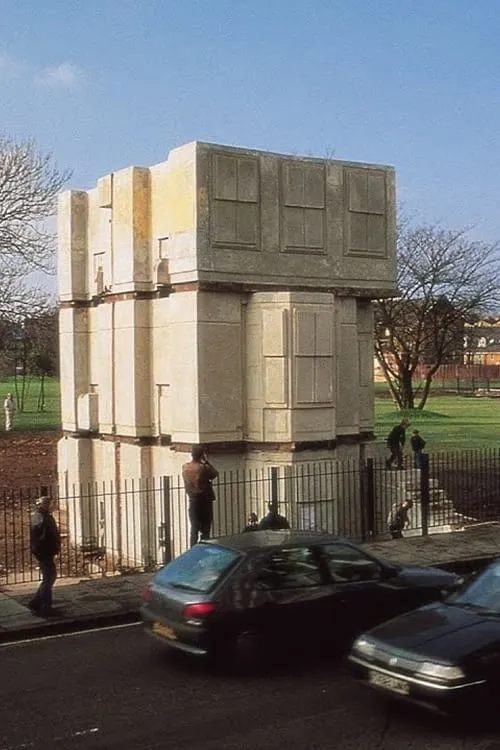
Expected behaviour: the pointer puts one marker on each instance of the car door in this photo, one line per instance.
(364, 593)
(294, 590)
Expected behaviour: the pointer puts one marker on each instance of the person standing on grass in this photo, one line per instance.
(417, 445)
(45, 543)
(9, 407)
(198, 475)
(395, 443)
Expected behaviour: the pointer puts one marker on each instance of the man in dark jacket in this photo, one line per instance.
(395, 443)
(198, 474)
(45, 543)
(273, 521)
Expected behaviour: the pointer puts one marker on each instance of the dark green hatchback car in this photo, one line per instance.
(279, 590)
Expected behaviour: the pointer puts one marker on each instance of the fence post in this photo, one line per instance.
(165, 538)
(368, 500)
(424, 492)
(274, 489)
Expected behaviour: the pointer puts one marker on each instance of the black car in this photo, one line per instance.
(444, 655)
(279, 589)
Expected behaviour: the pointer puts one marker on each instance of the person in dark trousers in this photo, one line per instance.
(198, 475)
(273, 521)
(45, 543)
(417, 445)
(395, 443)
(252, 523)
(399, 519)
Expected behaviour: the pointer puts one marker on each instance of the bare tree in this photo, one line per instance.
(29, 184)
(444, 280)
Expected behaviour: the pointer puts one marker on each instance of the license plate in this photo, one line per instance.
(164, 631)
(387, 682)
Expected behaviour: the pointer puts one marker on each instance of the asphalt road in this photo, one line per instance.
(110, 690)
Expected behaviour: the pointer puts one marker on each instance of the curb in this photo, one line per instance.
(65, 627)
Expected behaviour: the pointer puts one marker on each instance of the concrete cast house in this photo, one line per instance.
(223, 297)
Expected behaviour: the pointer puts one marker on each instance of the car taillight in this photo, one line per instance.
(198, 611)
(147, 595)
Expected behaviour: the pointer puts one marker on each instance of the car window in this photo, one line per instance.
(348, 564)
(483, 592)
(290, 569)
(198, 569)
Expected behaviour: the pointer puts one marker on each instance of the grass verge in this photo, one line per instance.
(448, 423)
(31, 418)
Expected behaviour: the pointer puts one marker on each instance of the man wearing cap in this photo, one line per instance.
(45, 543)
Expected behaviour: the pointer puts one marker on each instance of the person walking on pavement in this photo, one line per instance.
(273, 521)
(417, 445)
(9, 407)
(198, 475)
(45, 543)
(395, 443)
(399, 519)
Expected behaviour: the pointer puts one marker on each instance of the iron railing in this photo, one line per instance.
(138, 525)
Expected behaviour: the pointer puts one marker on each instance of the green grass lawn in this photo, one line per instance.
(31, 418)
(447, 423)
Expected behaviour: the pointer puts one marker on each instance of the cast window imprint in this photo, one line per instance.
(164, 409)
(302, 207)
(313, 360)
(98, 272)
(366, 205)
(235, 210)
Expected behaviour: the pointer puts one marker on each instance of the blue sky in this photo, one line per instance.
(109, 83)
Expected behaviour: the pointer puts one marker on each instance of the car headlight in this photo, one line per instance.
(440, 671)
(364, 646)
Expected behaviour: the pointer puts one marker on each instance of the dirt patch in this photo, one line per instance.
(28, 460)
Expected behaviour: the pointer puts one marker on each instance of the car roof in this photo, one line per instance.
(255, 540)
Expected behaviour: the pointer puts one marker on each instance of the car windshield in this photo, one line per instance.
(483, 593)
(198, 569)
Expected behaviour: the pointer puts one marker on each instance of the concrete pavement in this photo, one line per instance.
(82, 604)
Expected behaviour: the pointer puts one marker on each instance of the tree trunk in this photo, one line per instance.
(407, 397)
(41, 395)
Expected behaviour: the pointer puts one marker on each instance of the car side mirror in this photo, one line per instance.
(388, 572)
(456, 585)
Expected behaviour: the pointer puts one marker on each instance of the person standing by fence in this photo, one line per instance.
(9, 407)
(272, 521)
(417, 445)
(45, 543)
(395, 443)
(198, 475)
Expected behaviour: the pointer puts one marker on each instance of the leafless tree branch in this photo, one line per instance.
(444, 279)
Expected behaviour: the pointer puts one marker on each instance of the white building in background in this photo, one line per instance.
(222, 296)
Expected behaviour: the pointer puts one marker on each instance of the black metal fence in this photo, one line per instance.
(138, 525)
